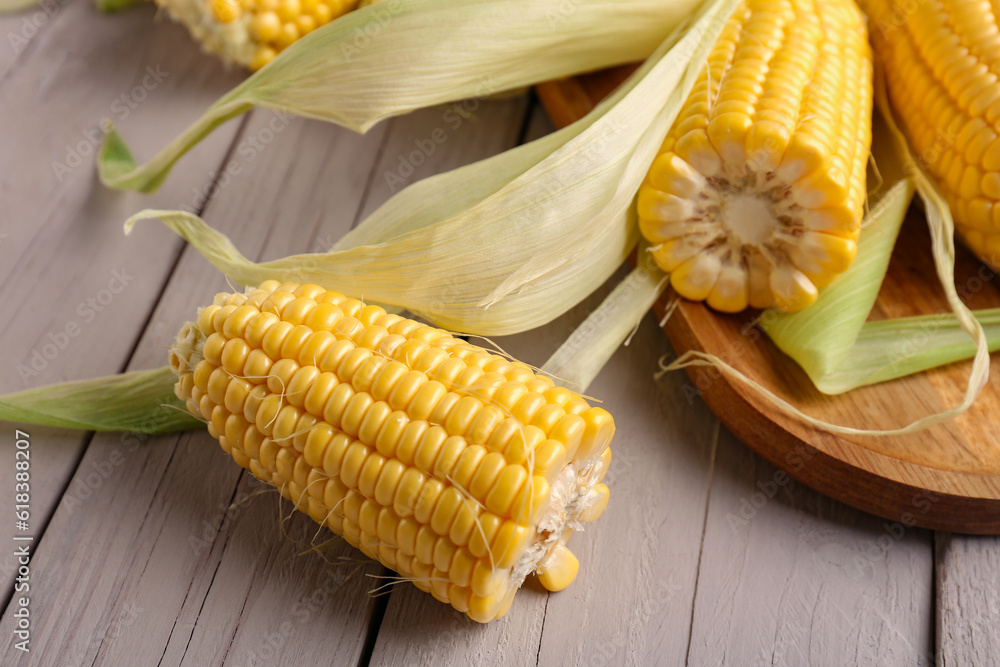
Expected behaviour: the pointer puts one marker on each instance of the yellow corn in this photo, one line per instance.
(459, 469)
(756, 196)
(251, 33)
(942, 61)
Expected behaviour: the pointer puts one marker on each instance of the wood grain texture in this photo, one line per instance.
(956, 465)
(787, 576)
(60, 232)
(968, 608)
(631, 601)
(153, 563)
(152, 540)
(791, 577)
(202, 587)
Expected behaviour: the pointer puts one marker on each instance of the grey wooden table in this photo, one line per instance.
(164, 552)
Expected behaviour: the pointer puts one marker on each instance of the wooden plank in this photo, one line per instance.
(22, 31)
(968, 609)
(428, 143)
(832, 578)
(66, 314)
(245, 592)
(417, 629)
(957, 461)
(631, 601)
(789, 576)
(167, 496)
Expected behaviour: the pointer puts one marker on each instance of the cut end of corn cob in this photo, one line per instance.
(458, 468)
(250, 33)
(941, 65)
(756, 197)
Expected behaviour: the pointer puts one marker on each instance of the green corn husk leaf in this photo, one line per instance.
(822, 338)
(531, 231)
(117, 5)
(12, 6)
(832, 341)
(139, 402)
(396, 56)
(509, 243)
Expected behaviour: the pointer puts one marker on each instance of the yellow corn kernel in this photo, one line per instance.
(445, 488)
(766, 158)
(946, 98)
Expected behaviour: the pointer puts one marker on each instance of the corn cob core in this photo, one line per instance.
(942, 63)
(757, 194)
(250, 33)
(459, 469)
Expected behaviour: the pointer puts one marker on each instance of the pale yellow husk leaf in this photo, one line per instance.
(509, 243)
(399, 55)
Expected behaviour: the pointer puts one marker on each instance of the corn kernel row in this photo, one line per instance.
(458, 468)
(756, 197)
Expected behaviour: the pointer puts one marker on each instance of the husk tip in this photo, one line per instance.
(115, 163)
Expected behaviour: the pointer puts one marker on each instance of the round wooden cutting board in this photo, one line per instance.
(946, 477)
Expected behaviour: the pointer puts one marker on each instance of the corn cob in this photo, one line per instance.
(756, 196)
(941, 62)
(457, 468)
(250, 33)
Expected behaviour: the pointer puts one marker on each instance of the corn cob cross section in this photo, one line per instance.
(461, 470)
(942, 70)
(757, 194)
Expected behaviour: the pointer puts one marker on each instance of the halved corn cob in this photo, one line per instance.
(942, 63)
(757, 194)
(457, 468)
(250, 33)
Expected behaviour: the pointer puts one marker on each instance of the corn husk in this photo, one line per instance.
(582, 356)
(138, 402)
(831, 339)
(117, 5)
(496, 247)
(509, 243)
(396, 56)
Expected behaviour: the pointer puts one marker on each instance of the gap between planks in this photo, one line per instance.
(161, 304)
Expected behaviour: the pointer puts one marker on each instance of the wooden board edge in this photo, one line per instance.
(809, 464)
